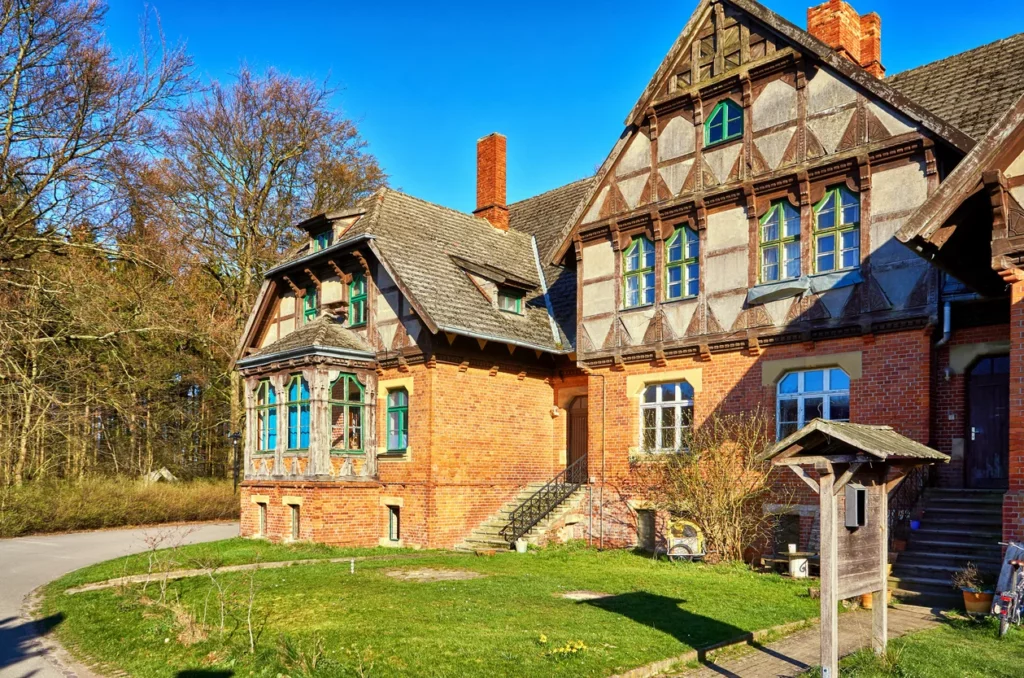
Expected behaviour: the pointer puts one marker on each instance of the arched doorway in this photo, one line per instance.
(986, 462)
(576, 439)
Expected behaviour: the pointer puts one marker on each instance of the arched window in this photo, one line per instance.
(266, 417)
(638, 265)
(298, 413)
(682, 266)
(780, 242)
(812, 394)
(398, 420)
(666, 413)
(310, 304)
(347, 414)
(724, 124)
(837, 230)
(357, 300)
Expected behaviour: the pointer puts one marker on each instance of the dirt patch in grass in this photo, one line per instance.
(585, 595)
(428, 574)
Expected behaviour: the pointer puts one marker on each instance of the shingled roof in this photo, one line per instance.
(429, 249)
(543, 217)
(323, 332)
(971, 89)
(821, 438)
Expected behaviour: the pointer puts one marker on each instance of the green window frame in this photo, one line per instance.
(510, 301)
(724, 124)
(682, 264)
(266, 416)
(837, 231)
(398, 420)
(780, 243)
(322, 240)
(357, 300)
(638, 277)
(310, 304)
(298, 413)
(348, 407)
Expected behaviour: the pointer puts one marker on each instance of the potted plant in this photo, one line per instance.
(977, 588)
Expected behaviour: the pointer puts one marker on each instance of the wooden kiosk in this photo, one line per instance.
(852, 468)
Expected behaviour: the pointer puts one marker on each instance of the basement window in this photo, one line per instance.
(394, 524)
(296, 517)
(509, 300)
(262, 519)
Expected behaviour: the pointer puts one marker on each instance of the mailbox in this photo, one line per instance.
(856, 506)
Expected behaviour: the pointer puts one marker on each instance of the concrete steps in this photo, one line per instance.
(487, 535)
(957, 527)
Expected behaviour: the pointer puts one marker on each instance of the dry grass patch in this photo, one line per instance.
(429, 574)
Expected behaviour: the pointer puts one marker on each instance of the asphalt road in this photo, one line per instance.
(29, 562)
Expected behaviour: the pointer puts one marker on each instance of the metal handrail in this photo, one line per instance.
(545, 500)
(904, 500)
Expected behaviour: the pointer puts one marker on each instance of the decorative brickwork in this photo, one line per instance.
(856, 37)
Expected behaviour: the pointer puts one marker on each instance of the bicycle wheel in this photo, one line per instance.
(680, 552)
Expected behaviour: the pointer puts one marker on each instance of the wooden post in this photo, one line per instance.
(879, 598)
(829, 575)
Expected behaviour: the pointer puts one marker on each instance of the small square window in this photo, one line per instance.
(394, 523)
(510, 301)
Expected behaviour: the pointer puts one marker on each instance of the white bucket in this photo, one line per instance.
(521, 545)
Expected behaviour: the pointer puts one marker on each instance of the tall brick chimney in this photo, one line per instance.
(856, 37)
(490, 180)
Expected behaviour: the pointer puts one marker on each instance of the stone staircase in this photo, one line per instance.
(486, 536)
(958, 526)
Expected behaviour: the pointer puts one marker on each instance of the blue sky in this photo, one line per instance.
(424, 80)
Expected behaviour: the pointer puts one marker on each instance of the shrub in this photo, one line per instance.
(95, 503)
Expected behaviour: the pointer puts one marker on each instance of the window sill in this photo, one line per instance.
(394, 454)
(626, 309)
(723, 142)
(676, 300)
(356, 327)
(344, 453)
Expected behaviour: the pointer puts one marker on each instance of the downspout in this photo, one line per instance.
(600, 495)
(946, 326)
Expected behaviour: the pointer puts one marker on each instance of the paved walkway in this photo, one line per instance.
(794, 654)
(29, 562)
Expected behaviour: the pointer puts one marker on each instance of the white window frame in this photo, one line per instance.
(659, 406)
(802, 395)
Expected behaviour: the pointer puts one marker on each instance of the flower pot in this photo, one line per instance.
(977, 602)
(867, 601)
(521, 545)
(915, 525)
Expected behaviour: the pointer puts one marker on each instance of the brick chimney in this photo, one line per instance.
(490, 180)
(856, 37)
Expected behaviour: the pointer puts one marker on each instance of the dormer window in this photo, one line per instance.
(510, 300)
(310, 305)
(724, 124)
(322, 240)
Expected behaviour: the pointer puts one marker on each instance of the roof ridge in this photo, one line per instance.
(479, 221)
(955, 55)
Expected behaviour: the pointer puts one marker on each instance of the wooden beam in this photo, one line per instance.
(829, 578)
(295, 288)
(450, 337)
(802, 475)
(845, 478)
(316, 281)
(837, 459)
(345, 278)
(879, 598)
(895, 482)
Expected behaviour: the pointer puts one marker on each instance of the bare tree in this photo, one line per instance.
(246, 163)
(720, 481)
(68, 108)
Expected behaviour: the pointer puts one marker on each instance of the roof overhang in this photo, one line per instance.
(305, 351)
(844, 442)
(327, 251)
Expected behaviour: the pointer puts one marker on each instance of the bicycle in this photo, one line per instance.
(1009, 603)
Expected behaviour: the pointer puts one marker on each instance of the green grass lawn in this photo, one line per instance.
(511, 620)
(960, 648)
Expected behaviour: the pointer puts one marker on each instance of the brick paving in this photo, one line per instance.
(794, 654)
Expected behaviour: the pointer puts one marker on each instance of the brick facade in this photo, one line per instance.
(1013, 501)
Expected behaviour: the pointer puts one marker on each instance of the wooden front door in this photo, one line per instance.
(988, 427)
(576, 438)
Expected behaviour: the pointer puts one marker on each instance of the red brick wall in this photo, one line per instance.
(342, 514)
(1013, 501)
(894, 389)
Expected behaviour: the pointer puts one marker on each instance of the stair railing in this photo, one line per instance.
(904, 499)
(545, 500)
